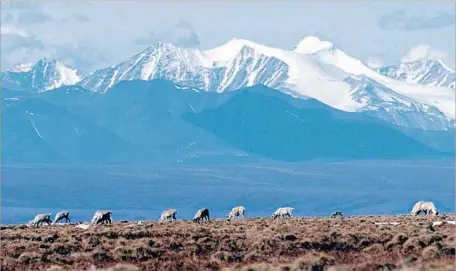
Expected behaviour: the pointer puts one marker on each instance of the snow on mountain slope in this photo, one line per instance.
(304, 76)
(239, 63)
(382, 102)
(39, 77)
(440, 97)
(425, 72)
(158, 61)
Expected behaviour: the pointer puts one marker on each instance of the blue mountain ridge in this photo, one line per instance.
(160, 122)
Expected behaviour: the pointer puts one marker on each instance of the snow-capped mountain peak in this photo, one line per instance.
(56, 73)
(45, 74)
(312, 44)
(232, 48)
(428, 72)
(327, 53)
(227, 51)
(159, 45)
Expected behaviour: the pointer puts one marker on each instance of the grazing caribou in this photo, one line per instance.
(201, 215)
(62, 215)
(236, 211)
(171, 213)
(40, 219)
(282, 212)
(427, 208)
(101, 217)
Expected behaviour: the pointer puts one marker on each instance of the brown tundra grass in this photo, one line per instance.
(353, 243)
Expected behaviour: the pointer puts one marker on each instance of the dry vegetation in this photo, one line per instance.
(247, 244)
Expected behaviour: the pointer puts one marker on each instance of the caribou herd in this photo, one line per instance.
(202, 215)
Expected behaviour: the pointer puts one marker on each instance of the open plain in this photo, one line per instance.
(351, 243)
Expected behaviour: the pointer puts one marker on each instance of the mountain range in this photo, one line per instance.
(239, 101)
(417, 94)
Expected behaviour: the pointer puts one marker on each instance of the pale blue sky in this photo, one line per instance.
(91, 35)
